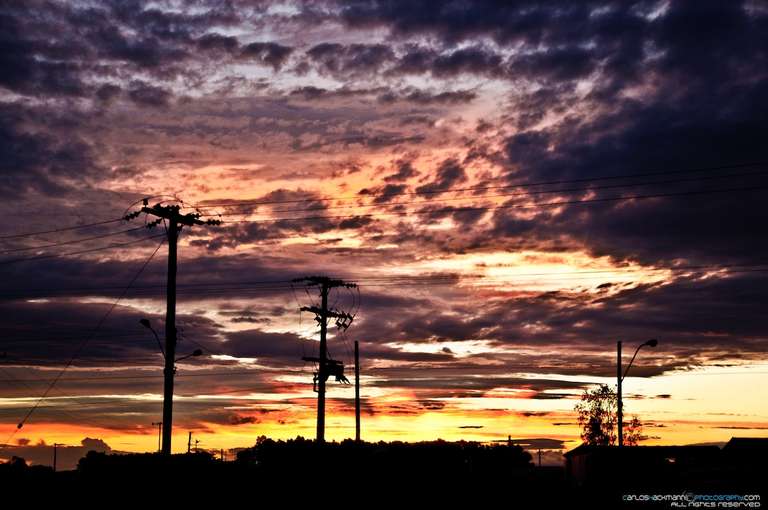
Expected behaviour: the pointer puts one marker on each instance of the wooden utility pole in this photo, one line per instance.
(176, 221)
(170, 334)
(323, 361)
(159, 425)
(357, 392)
(322, 315)
(55, 447)
(619, 403)
(189, 442)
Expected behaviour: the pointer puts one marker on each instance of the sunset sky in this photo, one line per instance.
(514, 186)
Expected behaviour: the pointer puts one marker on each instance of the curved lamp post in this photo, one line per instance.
(620, 377)
(168, 375)
(146, 324)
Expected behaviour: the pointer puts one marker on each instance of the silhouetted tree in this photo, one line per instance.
(599, 422)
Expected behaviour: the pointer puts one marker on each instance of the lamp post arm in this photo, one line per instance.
(159, 343)
(630, 361)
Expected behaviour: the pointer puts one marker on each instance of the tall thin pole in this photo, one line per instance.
(159, 434)
(619, 404)
(55, 446)
(357, 392)
(189, 442)
(322, 363)
(170, 336)
(172, 214)
(343, 320)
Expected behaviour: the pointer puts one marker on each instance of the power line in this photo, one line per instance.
(449, 210)
(272, 285)
(84, 343)
(80, 252)
(446, 210)
(423, 192)
(62, 229)
(514, 194)
(72, 241)
(477, 188)
(10, 379)
(231, 373)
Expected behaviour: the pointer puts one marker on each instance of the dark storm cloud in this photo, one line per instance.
(449, 173)
(386, 193)
(25, 74)
(424, 97)
(36, 158)
(703, 106)
(283, 348)
(107, 92)
(57, 49)
(506, 23)
(50, 333)
(308, 206)
(478, 384)
(473, 60)
(703, 130)
(699, 320)
(288, 349)
(268, 53)
(217, 43)
(404, 170)
(144, 94)
(339, 59)
(77, 277)
(555, 64)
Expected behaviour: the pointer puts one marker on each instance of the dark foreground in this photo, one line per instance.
(348, 474)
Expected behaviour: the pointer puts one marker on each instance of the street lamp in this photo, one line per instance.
(196, 352)
(620, 377)
(165, 426)
(146, 324)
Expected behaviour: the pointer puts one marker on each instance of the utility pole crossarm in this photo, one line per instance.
(325, 281)
(171, 212)
(326, 313)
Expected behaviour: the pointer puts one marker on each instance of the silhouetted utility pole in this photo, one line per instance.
(619, 404)
(55, 447)
(176, 221)
(326, 366)
(189, 442)
(357, 392)
(159, 425)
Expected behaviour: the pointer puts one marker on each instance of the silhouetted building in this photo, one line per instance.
(750, 449)
(588, 465)
(739, 465)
